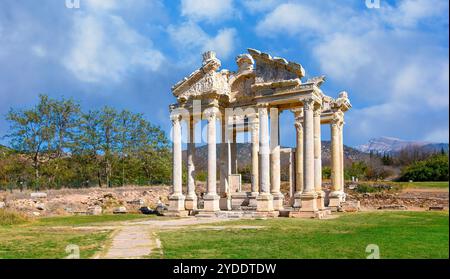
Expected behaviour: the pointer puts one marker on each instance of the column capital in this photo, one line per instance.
(175, 118)
(211, 113)
(308, 104)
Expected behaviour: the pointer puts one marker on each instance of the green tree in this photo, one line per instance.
(32, 132)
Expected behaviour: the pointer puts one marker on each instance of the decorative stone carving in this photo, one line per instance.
(259, 82)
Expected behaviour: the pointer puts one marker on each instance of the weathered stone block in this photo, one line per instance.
(264, 203)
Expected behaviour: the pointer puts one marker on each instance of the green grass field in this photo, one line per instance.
(424, 185)
(397, 234)
(48, 237)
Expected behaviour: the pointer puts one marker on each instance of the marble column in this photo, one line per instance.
(298, 158)
(335, 196)
(211, 199)
(255, 161)
(341, 153)
(225, 166)
(309, 195)
(191, 196)
(264, 201)
(176, 199)
(275, 181)
(234, 162)
(318, 159)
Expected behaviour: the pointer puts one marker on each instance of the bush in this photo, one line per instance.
(201, 176)
(8, 218)
(433, 169)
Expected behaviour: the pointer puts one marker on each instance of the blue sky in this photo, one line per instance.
(393, 61)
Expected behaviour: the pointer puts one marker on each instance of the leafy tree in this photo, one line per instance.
(32, 132)
(434, 168)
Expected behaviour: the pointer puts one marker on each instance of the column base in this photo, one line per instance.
(176, 206)
(297, 200)
(252, 199)
(211, 203)
(335, 199)
(321, 200)
(309, 202)
(264, 202)
(225, 203)
(278, 199)
(190, 202)
(238, 200)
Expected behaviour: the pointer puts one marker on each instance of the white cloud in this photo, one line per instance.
(257, 6)
(101, 4)
(39, 51)
(291, 19)
(105, 48)
(409, 13)
(191, 39)
(438, 135)
(207, 10)
(381, 57)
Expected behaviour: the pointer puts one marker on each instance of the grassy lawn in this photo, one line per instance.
(398, 235)
(432, 184)
(40, 239)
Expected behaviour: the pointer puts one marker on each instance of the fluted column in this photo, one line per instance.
(211, 198)
(176, 199)
(341, 153)
(335, 195)
(191, 196)
(318, 158)
(309, 195)
(255, 160)
(298, 157)
(265, 199)
(225, 165)
(234, 162)
(275, 159)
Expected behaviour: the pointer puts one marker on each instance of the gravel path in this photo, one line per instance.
(136, 240)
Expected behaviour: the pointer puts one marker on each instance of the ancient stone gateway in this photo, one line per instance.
(250, 100)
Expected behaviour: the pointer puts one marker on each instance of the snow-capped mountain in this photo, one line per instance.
(393, 145)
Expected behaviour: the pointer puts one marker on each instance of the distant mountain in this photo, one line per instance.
(394, 145)
(244, 155)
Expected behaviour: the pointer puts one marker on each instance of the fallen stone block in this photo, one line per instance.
(392, 207)
(94, 210)
(120, 210)
(436, 208)
(2, 205)
(38, 195)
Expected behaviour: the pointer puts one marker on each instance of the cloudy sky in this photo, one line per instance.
(392, 60)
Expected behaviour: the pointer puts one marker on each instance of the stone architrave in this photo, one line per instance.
(260, 82)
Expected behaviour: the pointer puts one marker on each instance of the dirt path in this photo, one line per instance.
(134, 240)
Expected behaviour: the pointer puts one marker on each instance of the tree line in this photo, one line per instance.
(56, 144)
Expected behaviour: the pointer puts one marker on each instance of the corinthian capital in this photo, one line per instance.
(211, 113)
(175, 118)
(308, 104)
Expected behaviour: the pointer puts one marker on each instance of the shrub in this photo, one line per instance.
(433, 169)
(8, 218)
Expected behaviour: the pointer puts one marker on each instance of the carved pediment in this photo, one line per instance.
(275, 69)
(206, 80)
